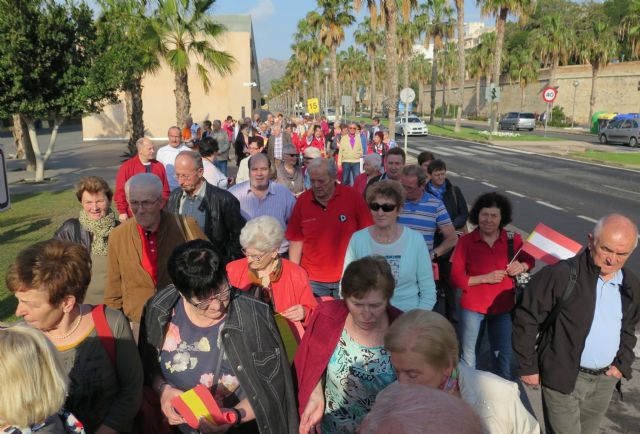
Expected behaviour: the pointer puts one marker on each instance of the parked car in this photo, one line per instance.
(625, 131)
(412, 125)
(518, 121)
(330, 113)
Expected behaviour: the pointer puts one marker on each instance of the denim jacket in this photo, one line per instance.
(253, 346)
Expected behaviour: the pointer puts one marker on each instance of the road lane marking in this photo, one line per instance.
(468, 177)
(589, 219)
(549, 205)
(497, 150)
(489, 184)
(431, 148)
(621, 189)
(516, 193)
(451, 172)
(480, 151)
(455, 151)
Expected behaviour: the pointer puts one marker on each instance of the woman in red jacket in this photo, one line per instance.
(482, 268)
(344, 345)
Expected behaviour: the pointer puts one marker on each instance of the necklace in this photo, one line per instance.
(73, 330)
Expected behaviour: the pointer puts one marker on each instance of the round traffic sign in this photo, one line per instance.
(407, 95)
(549, 94)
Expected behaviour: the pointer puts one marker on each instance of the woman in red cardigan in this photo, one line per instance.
(269, 277)
(341, 363)
(481, 266)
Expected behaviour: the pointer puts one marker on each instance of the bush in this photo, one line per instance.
(451, 108)
(558, 118)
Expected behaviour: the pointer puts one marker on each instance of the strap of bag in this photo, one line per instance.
(510, 248)
(551, 318)
(104, 332)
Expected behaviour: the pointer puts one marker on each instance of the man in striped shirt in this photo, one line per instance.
(425, 213)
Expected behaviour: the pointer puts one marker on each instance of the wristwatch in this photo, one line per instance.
(238, 416)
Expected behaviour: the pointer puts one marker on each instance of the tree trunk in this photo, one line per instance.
(434, 82)
(405, 71)
(522, 89)
(461, 63)
(316, 82)
(333, 60)
(478, 94)
(23, 142)
(135, 120)
(31, 125)
(500, 27)
(372, 92)
(555, 63)
(421, 96)
(183, 102)
(354, 94)
(595, 70)
(391, 42)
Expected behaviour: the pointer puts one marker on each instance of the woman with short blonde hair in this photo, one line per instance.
(34, 385)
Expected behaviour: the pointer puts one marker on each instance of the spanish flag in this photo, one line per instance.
(198, 403)
(291, 334)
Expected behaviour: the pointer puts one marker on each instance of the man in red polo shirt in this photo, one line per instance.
(321, 225)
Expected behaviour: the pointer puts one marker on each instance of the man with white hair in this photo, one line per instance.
(216, 210)
(167, 155)
(140, 247)
(260, 196)
(592, 303)
(276, 143)
(321, 225)
(143, 162)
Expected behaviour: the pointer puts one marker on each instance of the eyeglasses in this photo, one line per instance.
(220, 297)
(410, 187)
(185, 177)
(254, 258)
(386, 207)
(144, 204)
(291, 155)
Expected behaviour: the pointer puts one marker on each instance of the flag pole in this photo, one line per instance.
(515, 256)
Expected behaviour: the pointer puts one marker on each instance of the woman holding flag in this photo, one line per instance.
(482, 268)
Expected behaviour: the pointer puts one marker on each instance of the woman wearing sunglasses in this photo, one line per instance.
(403, 248)
(201, 330)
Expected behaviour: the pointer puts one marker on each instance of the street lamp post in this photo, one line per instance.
(326, 88)
(576, 83)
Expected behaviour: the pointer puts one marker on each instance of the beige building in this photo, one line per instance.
(237, 94)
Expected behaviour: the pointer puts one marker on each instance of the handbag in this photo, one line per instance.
(521, 280)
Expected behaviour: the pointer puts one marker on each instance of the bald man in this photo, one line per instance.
(143, 162)
(591, 348)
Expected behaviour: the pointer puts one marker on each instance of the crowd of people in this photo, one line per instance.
(329, 286)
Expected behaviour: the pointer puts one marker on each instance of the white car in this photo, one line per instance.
(330, 113)
(412, 125)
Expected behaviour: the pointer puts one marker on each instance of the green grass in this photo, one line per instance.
(626, 158)
(33, 217)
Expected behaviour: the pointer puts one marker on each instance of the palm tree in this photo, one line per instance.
(389, 17)
(407, 33)
(522, 69)
(313, 51)
(461, 62)
(553, 41)
(597, 45)
(501, 9)
(370, 40)
(420, 71)
(121, 23)
(353, 67)
(630, 28)
(333, 17)
(180, 30)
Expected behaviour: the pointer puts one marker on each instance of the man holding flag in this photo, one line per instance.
(593, 338)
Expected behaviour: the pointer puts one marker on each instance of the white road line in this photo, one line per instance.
(452, 173)
(621, 189)
(468, 177)
(589, 219)
(430, 148)
(496, 150)
(489, 185)
(455, 151)
(549, 205)
(513, 150)
(479, 150)
(516, 193)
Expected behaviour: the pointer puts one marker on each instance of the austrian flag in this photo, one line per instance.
(550, 246)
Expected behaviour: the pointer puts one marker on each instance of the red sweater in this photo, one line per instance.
(474, 257)
(292, 288)
(131, 167)
(319, 343)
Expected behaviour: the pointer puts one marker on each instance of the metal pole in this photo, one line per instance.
(326, 95)
(406, 119)
(546, 119)
(573, 112)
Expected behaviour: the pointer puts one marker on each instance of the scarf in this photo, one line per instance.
(437, 192)
(99, 229)
(265, 294)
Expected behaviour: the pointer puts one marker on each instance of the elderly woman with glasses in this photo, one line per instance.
(289, 174)
(203, 331)
(269, 277)
(403, 248)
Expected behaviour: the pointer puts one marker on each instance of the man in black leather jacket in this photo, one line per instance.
(216, 210)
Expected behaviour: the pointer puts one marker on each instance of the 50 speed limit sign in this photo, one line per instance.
(549, 94)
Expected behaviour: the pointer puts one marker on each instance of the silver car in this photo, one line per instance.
(518, 121)
(625, 131)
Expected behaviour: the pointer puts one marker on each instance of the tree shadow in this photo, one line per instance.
(8, 307)
(12, 234)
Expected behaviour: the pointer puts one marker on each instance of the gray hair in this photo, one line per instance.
(327, 164)
(263, 233)
(216, 123)
(416, 171)
(195, 156)
(145, 181)
(312, 152)
(142, 141)
(374, 160)
(256, 157)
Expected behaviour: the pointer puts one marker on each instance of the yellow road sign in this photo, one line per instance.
(313, 105)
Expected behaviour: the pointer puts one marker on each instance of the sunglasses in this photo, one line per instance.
(386, 207)
(292, 155)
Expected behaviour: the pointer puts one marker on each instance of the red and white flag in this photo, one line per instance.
(550, 246)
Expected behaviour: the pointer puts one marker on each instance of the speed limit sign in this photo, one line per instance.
(549, 94)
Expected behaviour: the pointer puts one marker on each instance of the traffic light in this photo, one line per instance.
(494, 93)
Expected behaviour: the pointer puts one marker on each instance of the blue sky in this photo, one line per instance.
(274, 21)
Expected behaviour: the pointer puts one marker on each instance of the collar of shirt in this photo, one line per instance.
(476, 236)
(335, 194)
(199, 194)
(615, 280)
(269, 189)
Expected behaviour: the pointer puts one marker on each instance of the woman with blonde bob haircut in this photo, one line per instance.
(424, 351)
(34, 385)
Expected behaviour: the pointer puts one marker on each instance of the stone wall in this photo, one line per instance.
(618, 90)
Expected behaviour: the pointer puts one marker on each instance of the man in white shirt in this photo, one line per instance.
(168, 153)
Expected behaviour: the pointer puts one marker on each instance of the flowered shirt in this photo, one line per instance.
(355, 375)
(63, 419)
(189, 356)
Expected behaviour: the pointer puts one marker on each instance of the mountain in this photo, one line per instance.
(270, 69)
